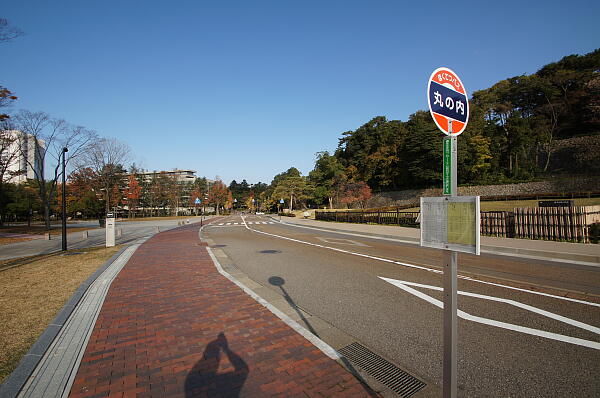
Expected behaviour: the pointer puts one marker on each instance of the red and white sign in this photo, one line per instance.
(448, 100)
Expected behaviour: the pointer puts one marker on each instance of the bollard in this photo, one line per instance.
(119, 232)
(187, 221)
(85, 234)
(47, 236)
(157, 229)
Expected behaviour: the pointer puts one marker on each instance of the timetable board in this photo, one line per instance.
(451, 223)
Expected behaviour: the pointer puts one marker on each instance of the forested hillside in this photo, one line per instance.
(522, 128)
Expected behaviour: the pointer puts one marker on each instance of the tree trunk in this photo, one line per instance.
(47, 215)
(330, 202)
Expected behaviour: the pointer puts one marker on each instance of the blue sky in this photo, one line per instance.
(248, 89)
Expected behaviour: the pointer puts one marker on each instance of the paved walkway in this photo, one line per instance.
(172, 325)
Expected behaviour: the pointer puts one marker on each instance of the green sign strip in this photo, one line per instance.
(447, 166)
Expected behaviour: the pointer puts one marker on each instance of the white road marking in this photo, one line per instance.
(340, 241)
(415, 242)
(235, 223)
(424, 268)
(421, 267)
(404, 285)
(221, 223)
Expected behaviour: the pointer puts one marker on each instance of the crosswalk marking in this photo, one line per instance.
(241, 223)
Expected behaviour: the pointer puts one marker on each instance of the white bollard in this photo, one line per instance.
(47, 236)
(85, 234)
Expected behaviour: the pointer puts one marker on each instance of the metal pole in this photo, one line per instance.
(64, 203)
(450, 295)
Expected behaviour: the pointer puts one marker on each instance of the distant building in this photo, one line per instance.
(180, 175)
(28, 160)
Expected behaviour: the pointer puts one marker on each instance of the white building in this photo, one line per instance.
(28, 160)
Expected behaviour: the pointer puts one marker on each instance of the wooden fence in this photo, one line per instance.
(553, 223)
(402, 218)
(569, 224)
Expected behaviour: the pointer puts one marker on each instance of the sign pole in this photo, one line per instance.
(450, 277)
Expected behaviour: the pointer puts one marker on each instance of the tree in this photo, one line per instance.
(355, 192)
(132, 194)
(47, 137)
(326, 176)
(218, 194)
(83, 193)
(423, 150)
(297, 188)
(6, 99)
(107, 157)
(7, 32)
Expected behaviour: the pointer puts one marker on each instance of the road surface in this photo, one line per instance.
(527, 328)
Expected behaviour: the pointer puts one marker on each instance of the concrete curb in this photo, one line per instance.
(17, 379)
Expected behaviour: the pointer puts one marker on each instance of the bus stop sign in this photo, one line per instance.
(448, 101)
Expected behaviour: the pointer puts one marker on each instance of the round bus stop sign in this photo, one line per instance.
(448, 101)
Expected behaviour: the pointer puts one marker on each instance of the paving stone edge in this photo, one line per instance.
(17, 379)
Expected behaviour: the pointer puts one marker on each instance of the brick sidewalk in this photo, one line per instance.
(172, 326)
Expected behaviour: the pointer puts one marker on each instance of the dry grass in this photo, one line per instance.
(31, 294)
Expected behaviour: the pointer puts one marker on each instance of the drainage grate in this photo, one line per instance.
(383, 371)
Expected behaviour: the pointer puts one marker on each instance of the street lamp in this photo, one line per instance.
(64, 202)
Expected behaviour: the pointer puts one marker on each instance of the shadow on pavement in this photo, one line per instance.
(203, 379)
(279, 282)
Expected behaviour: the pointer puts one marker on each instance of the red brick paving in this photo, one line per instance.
(172, 326)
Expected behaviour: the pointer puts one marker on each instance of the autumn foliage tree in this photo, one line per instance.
(131, 195)
(355, 193)
(218, 194)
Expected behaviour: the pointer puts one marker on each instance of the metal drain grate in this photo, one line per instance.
(381, 370)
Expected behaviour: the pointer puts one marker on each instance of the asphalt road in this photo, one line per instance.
(518, 335)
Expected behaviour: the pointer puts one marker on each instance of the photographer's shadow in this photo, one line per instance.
(203, 379)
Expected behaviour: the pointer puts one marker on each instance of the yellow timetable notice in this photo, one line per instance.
(461, 223)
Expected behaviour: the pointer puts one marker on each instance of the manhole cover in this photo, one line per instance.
(269, 251)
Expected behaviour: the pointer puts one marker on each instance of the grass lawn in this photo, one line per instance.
(33, 291)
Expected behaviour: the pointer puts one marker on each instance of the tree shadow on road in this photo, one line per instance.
(203, 380)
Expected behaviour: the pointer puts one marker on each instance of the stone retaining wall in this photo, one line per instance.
(555, 186)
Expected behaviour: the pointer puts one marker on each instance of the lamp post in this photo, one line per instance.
(64, 202)
(234, 202)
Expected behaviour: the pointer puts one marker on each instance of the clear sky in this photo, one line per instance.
(247, 89)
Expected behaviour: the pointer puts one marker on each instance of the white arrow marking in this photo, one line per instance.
(404, 285)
